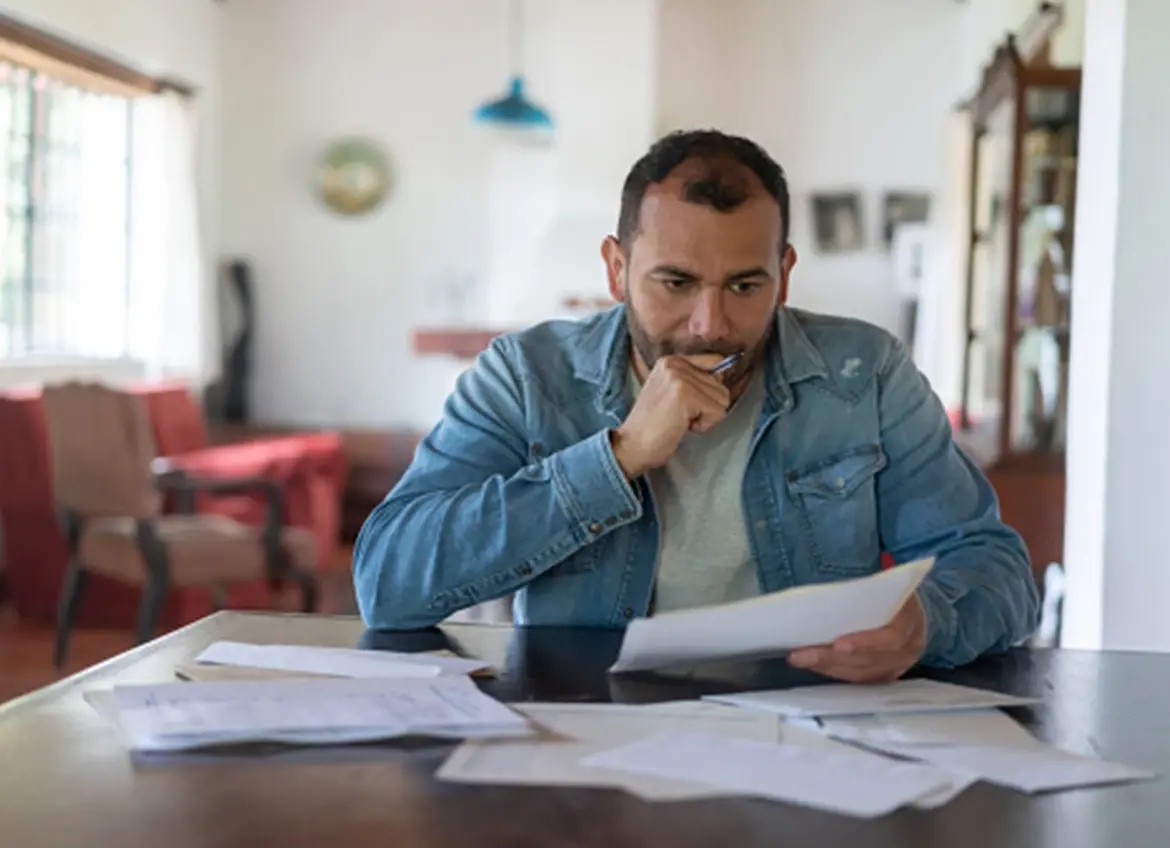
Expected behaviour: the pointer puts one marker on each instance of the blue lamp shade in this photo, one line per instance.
(514, 110)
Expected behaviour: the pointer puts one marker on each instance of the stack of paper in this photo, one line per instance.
(956, 728)
(770, 625)
(690, 750)
(178, 716)
(842, 780)
(572, 732)
(335, 662)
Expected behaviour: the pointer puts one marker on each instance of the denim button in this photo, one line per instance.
(628, 612)
(626, 514)
(611, 520)
(595, 528)
(525, 570)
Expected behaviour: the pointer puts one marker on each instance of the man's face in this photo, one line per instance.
(696, 280)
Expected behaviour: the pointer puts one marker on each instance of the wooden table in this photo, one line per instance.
(66, 780)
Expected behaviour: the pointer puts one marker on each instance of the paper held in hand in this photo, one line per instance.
(771, 625)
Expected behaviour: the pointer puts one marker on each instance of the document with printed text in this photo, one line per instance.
(176, 716)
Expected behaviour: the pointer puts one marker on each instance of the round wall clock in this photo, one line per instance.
(354, 176)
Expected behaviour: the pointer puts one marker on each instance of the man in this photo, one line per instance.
(601, 471)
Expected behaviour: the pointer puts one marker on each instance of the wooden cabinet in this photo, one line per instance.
(1022, 193)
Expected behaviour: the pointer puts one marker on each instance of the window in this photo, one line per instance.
(65, 207)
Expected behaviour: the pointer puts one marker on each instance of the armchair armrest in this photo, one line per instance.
(185, 486)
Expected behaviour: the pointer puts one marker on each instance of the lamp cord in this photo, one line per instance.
(516, 37)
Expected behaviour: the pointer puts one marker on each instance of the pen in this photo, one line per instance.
(725, 363)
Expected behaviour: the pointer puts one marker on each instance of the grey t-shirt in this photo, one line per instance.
(704, 556)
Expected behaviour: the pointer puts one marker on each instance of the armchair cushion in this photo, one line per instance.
(202, 550)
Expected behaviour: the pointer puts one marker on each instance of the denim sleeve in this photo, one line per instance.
(474, 518)
(981, 596)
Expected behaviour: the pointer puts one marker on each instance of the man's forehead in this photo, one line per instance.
(667, 214)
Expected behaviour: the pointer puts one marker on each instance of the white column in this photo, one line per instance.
(1118, 517)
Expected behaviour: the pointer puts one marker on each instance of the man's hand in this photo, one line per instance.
(679, 396)
(872, 656)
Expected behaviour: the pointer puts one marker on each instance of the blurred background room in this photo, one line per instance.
(284, 227)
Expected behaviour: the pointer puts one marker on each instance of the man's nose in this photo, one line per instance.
(708, 320)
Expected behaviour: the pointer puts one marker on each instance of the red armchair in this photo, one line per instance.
(309, 466)
(35, 552)
(310, 469)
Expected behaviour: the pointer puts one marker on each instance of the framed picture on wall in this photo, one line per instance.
(903, 207)
(837, 221)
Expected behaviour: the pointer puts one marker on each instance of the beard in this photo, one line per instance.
(651, 349)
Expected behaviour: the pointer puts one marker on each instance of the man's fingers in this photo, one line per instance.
(888, 638)
(867, 667)
(833, 665)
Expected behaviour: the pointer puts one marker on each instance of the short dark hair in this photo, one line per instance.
(714, 188)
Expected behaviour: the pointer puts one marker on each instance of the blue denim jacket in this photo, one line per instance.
(516, 490)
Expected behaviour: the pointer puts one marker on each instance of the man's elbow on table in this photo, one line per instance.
(388, 597)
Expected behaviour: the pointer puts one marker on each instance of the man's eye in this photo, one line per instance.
(743, 288)
(675, 283)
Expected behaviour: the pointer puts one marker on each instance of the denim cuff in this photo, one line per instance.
(942, 623)
(591, 487)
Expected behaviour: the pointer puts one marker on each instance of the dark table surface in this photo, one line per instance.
(66, 779)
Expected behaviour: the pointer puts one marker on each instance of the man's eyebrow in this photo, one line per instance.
(674, 271)
(667, 270)
(758, 271)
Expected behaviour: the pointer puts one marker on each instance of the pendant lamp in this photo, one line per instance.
(514, 111)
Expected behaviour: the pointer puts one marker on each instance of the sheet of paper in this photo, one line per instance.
(339, 662)
(175, 716)
(944, 795)
(842, 699)
(572, 732)
(1035, 768)
(769, 625)
(961, 727)
(840, 780)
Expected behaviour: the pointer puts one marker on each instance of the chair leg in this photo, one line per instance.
(71, 591)
(158, 580)
(308, 590)
(154, 594)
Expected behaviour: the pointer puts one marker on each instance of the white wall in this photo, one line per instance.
(844, 94)
(338, 298)
(178, 38)
(1119, 401)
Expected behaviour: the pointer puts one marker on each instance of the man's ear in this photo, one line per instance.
(615, 268)
(787, 261)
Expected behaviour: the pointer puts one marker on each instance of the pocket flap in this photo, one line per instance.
(840, 476)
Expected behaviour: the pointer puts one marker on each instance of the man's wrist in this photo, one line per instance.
(620, 445)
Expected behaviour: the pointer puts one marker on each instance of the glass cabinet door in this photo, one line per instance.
(992, 230)
(1039, 390)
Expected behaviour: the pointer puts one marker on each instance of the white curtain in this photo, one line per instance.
(173, 330)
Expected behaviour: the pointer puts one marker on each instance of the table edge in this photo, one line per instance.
(46, 693)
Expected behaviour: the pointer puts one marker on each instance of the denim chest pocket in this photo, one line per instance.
(837, 501)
